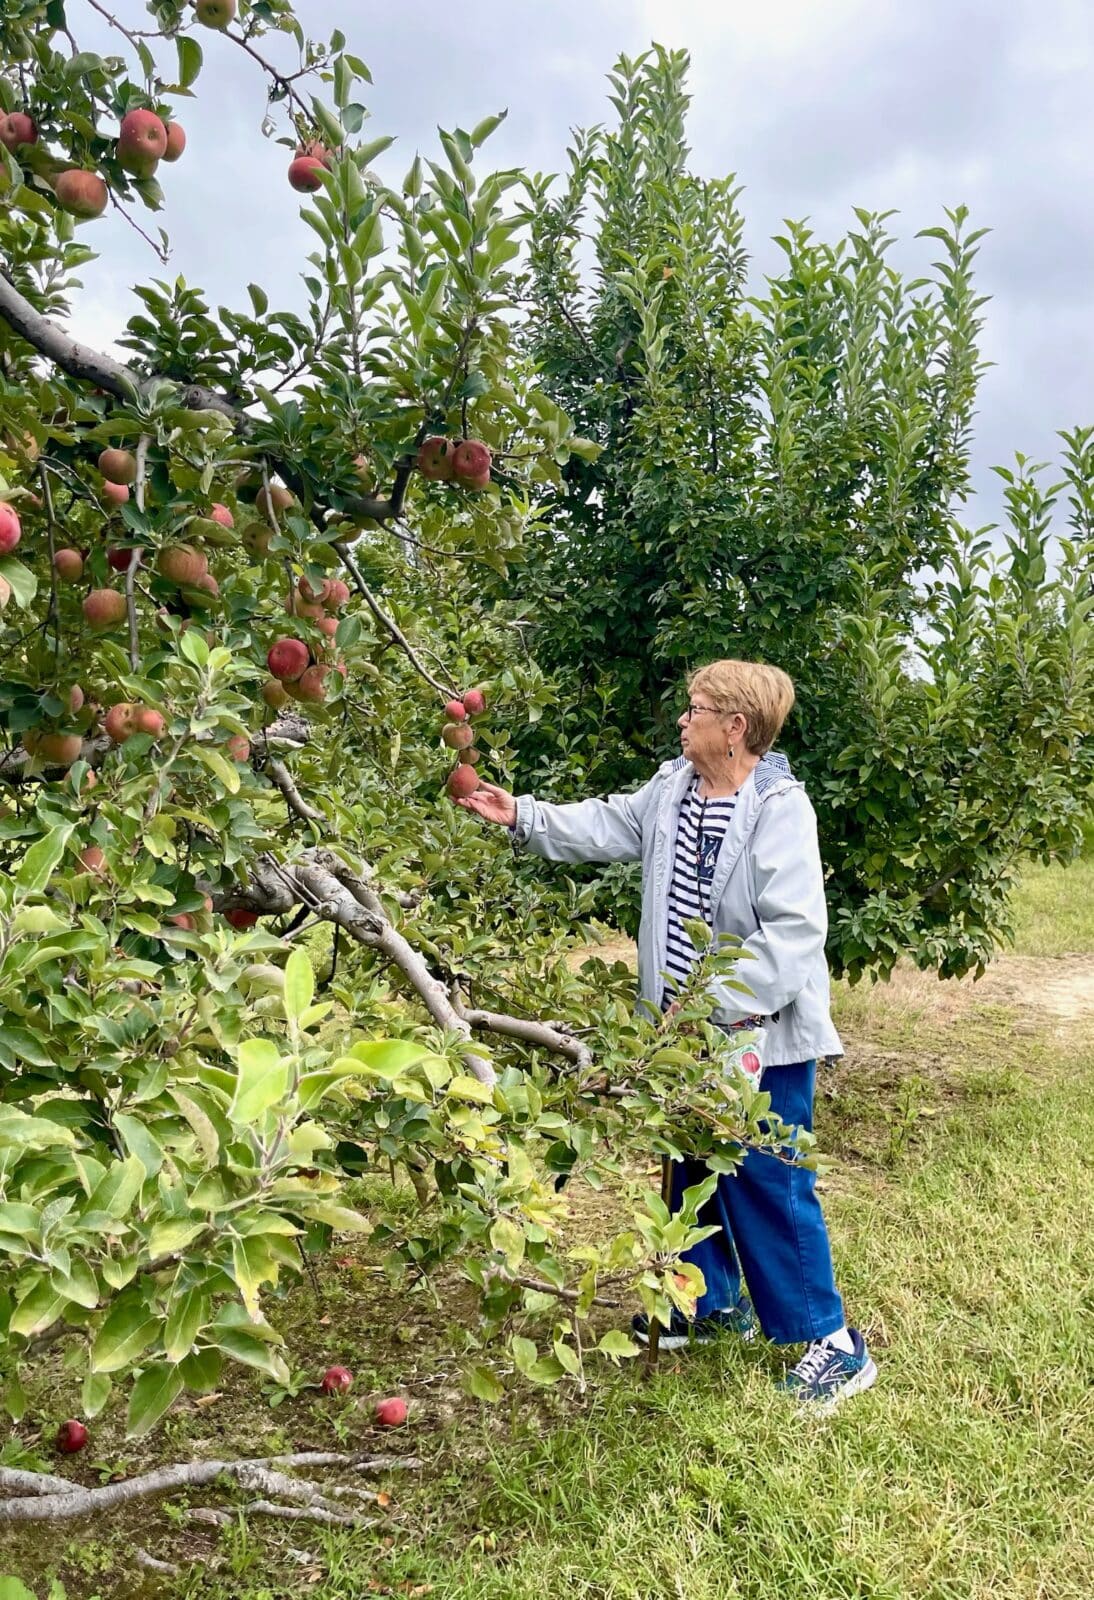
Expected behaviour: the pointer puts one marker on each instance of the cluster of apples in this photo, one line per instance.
(294, 675)
(458, 734)
(463, 461)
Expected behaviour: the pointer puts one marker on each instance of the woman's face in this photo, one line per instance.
(704, 733)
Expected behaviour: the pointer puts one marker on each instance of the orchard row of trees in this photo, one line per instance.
(252, 575)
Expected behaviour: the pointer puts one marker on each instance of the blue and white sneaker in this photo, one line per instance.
(739, 1320)
(825, 1375)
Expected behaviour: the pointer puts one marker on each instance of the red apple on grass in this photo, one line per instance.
(71, 1437)
(337, 1380)
(391, 1413)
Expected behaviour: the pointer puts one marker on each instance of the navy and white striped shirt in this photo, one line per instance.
(699, 836)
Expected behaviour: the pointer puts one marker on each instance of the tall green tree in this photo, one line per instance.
(782, 477)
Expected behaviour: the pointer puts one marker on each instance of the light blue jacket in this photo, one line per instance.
(768, 889)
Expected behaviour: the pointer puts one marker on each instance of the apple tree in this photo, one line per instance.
(248, 947)
(784, 476)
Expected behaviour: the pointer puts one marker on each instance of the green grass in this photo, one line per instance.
(962, 1216)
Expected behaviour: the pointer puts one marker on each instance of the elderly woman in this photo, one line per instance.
(727, 833)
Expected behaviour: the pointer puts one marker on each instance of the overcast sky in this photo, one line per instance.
(817, 107)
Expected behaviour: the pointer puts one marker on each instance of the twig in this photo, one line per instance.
(389, 623)
(163, 253)
(532, 1032)
(152, 1563)
(569, 1295)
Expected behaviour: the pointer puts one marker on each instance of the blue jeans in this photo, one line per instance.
(772, 1229)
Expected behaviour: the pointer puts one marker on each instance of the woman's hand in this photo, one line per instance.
(491, 804)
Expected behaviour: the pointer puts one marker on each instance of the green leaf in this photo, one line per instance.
(95, 1392)
(299, 989)
(262, 1080)
(190, 59)
(38, 1309)
(617, 1345)
(218, 765)
(37, 866)
(126, 1332)
(389, 1058)
(12, 1589)
(153, 1393)
(506, 1237)
(201, 1371)
(483, 1384)
(24, 585)
(252, 1351)
(140, 1142)
(467, 1088)
(193, 647)
(185, 1321)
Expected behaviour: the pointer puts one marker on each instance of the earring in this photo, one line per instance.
(729, 753)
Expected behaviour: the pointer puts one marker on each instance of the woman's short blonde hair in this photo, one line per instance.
(763, 696)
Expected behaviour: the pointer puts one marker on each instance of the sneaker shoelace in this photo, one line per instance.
(814, 1361)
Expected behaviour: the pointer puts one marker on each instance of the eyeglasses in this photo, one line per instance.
(697, 711)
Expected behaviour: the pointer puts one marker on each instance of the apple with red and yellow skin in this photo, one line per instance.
(471, 461)
(182, 563)
(120, 466)
(271, 504)
(256, 538)
(80, 193)
(221, 514)
(17, 128)
(337, 595)
(435, 458)
(474, 702)
(176, 141)
(306, 174)
(391, 1413)
(319, 595)
(56, 749)
(68, 565)
(328, 626)
(115, 494)
(455, 711)
(462, 781)
(120, 722)
(93, 860)
(215, 13)
(288, 659)
(311, 686)
(275, 694)
(11, 529)
(239, 747)
(73, 698)
(104, 608)
(142, 140)
(184, 921)
(337, 1380)
(470, 757)
(149, 721)
(457, 735)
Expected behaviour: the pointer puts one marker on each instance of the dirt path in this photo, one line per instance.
(1054, 989)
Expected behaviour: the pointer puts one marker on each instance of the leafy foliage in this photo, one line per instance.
(780, 479)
